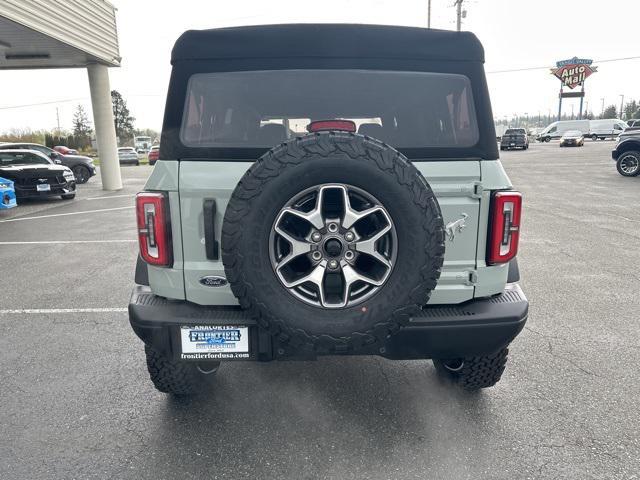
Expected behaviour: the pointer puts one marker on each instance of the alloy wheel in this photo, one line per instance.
(333, 245)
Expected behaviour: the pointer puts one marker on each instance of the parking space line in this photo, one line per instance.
(110, 196)
(54, 242)
(61, 310)
(64, 214)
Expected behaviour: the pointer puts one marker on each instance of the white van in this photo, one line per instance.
(606, 128)
(557, 129)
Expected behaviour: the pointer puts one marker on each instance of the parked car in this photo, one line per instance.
(634, 124)
(35, 176)
(514, 138)
(82, 167)
(7, 194)
(154, 153)
(606, 128)
(572, 138)
(65, 150)
(557, 129)
(294, 238)
(128, 156)
(627, 155)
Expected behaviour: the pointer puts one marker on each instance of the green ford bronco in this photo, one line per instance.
(327, 190)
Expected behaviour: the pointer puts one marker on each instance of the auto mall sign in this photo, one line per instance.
(574, 71)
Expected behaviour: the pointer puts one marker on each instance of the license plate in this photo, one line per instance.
(214, 342)
(43, 187)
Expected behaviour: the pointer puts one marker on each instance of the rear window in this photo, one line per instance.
(263, 108)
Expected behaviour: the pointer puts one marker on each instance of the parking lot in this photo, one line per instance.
(77, 402)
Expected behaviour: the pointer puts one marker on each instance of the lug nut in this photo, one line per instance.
(348, 255)
(316, 236)
(333, 264)
(333, 227)
(316, 255)
(349, 236)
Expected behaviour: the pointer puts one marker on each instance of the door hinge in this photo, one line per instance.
(472, 277)
(477, 190)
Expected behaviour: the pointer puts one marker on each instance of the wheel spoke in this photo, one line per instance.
(368, 246)
(351, 216)
(298, 247)
(351, 276)
(316, 276)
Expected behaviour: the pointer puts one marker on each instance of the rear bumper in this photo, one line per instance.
(477, 327)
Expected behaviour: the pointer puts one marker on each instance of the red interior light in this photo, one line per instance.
(325, 125)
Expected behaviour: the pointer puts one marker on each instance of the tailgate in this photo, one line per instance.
(455, 183)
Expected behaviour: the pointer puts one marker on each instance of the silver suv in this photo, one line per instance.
(327, 190)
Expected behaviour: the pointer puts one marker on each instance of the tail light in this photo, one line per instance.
(506, 208)
(154, 228)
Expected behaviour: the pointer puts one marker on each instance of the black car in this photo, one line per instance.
(514, 138)
(82, 167)
(627, 155)
(35, 176)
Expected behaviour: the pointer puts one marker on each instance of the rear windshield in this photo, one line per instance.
(515, 131)
(264, 108)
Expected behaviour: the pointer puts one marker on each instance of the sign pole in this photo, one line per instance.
(581, 100)
(560, 104)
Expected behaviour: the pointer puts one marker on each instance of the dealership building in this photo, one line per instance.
(38, 34)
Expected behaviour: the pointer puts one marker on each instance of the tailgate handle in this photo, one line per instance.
(210, 243)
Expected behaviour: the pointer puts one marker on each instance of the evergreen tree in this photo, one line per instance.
(122, 118)
(610, 112)
(81, 124)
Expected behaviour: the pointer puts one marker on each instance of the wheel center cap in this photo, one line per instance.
(333, 247)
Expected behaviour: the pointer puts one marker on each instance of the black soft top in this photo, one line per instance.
(327, 40)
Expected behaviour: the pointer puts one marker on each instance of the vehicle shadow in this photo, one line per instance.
(347, 409)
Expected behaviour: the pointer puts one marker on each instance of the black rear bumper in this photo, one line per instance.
(477, 327)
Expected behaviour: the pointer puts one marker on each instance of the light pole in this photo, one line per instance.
(429, 14)
(621, 105)
(602, 110)
(458, 5)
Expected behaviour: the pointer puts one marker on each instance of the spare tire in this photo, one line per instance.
(332, 241)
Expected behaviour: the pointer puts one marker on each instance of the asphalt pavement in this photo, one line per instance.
(76, 401)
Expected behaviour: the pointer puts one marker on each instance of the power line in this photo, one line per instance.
(525, 69)
(66, 100)
(7, 107)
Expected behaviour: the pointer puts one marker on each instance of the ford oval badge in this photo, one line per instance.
(213, 281)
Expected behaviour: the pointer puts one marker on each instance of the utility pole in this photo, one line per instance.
(602, 110)
(458, 5)
(621, 106)
(429, 14)
(58, 119)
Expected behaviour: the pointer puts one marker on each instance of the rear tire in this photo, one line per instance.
(628, 164)
(473, 373)
(594, 137)
(177, 378)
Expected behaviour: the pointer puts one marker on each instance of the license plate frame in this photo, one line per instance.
(43, 187)
(214, 342)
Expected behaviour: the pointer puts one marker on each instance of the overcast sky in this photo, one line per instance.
(515, 34)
